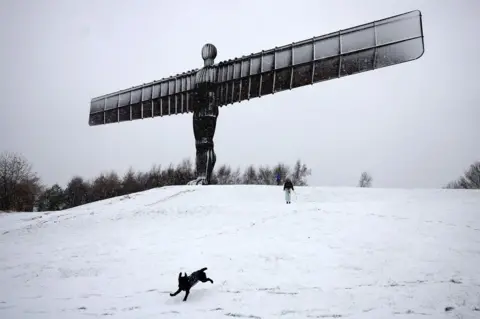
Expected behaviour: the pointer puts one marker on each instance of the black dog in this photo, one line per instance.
(185, 283)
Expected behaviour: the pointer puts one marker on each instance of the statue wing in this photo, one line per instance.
(366, 47)
(169, 96)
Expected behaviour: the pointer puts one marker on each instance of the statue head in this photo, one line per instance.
(209, 53)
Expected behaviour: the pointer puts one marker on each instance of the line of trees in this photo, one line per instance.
(21, 188)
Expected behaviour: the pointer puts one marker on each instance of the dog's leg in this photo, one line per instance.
(205, 279)
(186, 294)
(175, 293)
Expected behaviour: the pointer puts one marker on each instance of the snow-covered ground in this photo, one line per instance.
(332, 253)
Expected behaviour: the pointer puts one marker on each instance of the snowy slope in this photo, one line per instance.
(334, 252)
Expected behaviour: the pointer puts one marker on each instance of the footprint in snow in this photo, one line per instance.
(239, 315)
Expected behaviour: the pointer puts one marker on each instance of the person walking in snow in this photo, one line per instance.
(288, 188)
(278, 179)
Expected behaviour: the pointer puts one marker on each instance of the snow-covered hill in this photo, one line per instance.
(334, 252)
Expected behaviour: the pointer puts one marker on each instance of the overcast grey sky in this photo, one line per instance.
(410, 125)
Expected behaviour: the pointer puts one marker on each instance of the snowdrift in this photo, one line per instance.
(332, 253)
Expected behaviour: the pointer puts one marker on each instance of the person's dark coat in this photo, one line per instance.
(288, 185)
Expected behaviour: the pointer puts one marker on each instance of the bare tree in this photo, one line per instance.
(365, 180)
(106, 185)
(19, 185)
(184, 172)
(224, 174)
(131, 183)
(250, 175)
(168, 176)
(77, 192)
(265, 175)
(470, 179)
(52, 199)
(236, 177)
(300, 173)
(154, 177)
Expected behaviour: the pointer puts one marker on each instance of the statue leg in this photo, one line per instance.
(201, 161)
(211, 159)
(211, 156)
(204, 130)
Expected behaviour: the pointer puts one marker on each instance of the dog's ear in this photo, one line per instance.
(185, 275)
(179, 275)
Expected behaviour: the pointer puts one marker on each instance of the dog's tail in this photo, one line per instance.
(203, 269)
